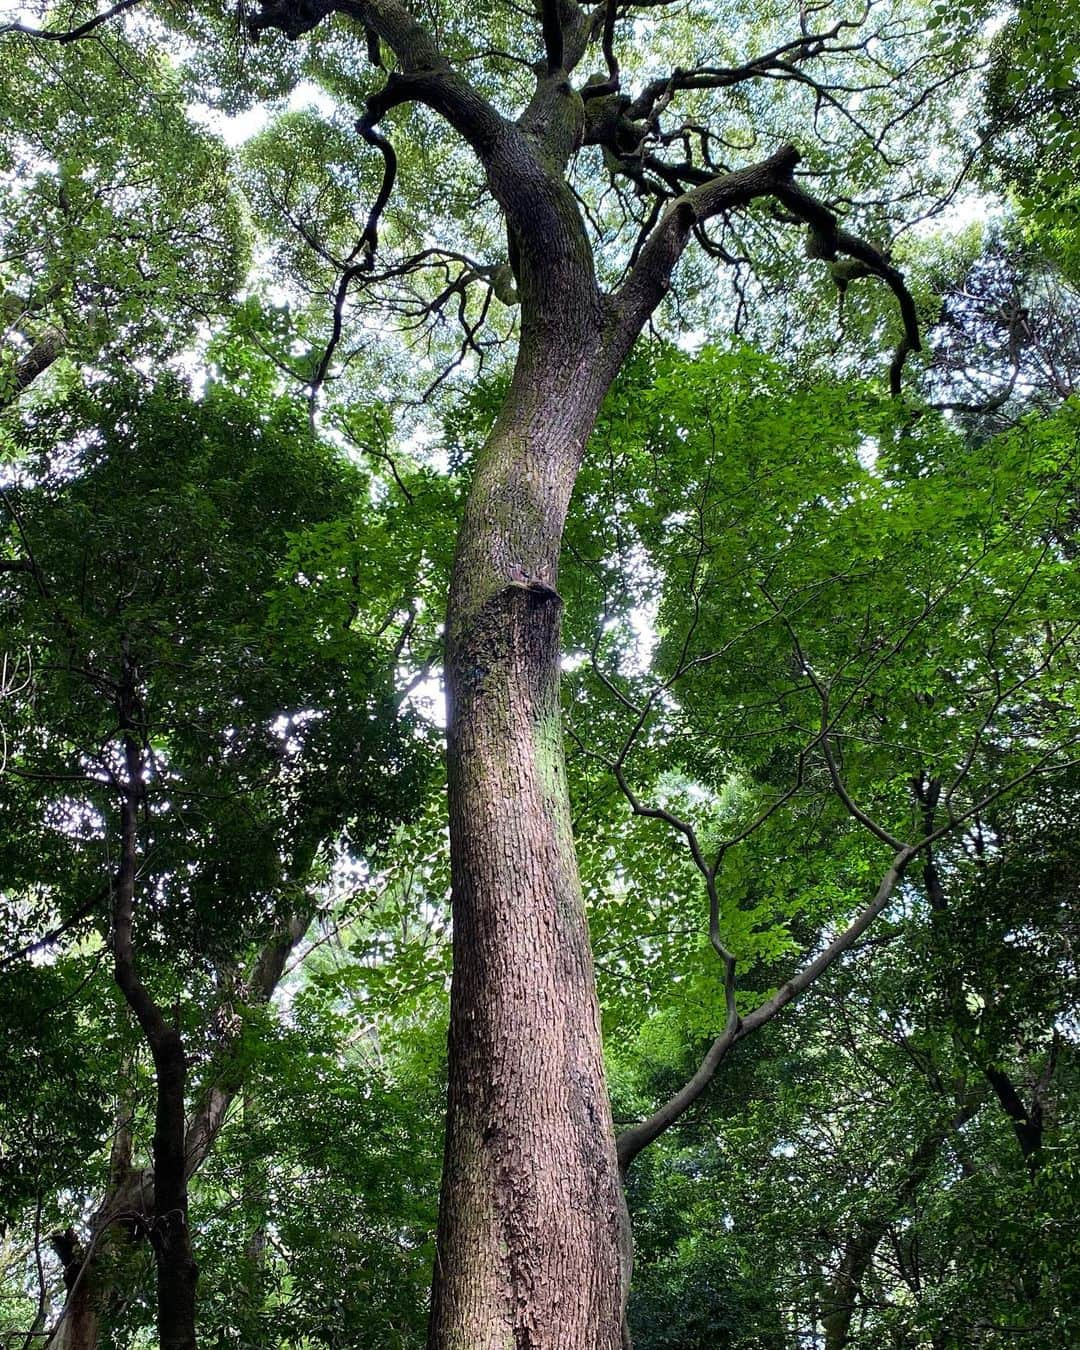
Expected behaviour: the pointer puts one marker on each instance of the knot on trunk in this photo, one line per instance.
(511, 641)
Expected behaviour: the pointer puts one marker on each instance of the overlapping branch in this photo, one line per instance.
(553, 34)
(533, 195)
(601, 88)
(635, 1138)
(774, 178)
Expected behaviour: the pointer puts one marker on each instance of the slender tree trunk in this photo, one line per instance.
(126, 1209)
(253, 1282)
(529, 1231)
(169, 1232)
(846, 1287)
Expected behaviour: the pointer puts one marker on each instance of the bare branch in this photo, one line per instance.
(70, 34)
(650, 277)
(39, 944)
(425, 75)
(720, 77)
(601, 88)
(369, 240)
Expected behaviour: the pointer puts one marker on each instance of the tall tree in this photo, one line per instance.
(532, 1245)
(172, 760)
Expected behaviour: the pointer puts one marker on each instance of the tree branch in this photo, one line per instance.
(553, 35)
(1027, 1129)
(650, 278)
(45, 351)
(425, 76)
(601, 88)
(631, 1142)
(67, 35)
(369, 240)
(518, 158)
(39, 944)
(207, 1120)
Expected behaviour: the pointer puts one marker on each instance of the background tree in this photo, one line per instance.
(177, 790)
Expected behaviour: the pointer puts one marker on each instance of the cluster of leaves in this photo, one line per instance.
(750, 562)
(856, 1171)
(122, 229)
(767, 561)
(1032, 105)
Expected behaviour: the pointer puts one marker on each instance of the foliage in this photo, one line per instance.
(1032, 100)
(205, 539)
(766, 559)
(122, 228)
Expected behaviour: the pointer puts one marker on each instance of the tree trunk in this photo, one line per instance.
(44, 353)
(94, 1273)
(90, 1271)
(124, 1215)
(79, 1327)
(254, 1194)
(846, 1287)
(529, 1228)
(861, 1247)
(170, 1233)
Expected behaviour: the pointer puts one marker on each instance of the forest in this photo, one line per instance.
(539, 674)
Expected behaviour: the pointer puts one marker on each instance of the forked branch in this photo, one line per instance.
(650, 278)
(637, 1137)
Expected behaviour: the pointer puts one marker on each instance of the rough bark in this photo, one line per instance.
(80, 1325)
(530, 1222)
(90, 1269)
(44, 353)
